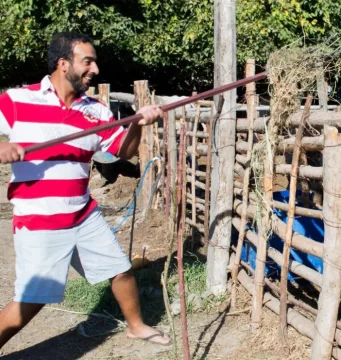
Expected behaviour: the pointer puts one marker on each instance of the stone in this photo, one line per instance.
(175, 307)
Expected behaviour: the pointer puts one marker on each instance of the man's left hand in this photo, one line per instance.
(150, 113)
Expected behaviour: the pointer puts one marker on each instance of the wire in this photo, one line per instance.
(114, 229)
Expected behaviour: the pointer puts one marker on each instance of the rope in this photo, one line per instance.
(114, 229)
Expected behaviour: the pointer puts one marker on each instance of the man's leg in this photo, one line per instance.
(125, 291)
(14, 317)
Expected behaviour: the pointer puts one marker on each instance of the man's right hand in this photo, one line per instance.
(11, 152)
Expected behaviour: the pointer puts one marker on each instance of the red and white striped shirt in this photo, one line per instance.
(49, 190)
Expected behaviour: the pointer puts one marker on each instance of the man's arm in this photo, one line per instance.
(130, 143)
(9, 152)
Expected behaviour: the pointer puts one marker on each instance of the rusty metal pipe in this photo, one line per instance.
(137, 117)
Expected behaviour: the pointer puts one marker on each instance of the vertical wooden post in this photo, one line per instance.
(142, 98)
(194, 170)
(251, 113)
(290, 223)
(208, 176)
(329, 299)
(322, 89)
(180, 247)
(172, 158)
(91, 91)
(223, 159)
(104, 94)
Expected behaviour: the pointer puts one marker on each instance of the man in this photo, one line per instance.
(55, 221)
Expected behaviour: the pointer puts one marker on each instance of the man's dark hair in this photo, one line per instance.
(62, 45)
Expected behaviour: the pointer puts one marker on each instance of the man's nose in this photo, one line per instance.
(94, 68)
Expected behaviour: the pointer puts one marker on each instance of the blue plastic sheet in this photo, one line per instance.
(310, 228)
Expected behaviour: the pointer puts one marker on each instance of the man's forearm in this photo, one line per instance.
(131, 142)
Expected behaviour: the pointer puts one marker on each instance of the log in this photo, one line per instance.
(300, 211)
(290, 223)
(241, 159)
(198, 200)
(311, 172)
(317, 120)
(299, 241)
(309, 143)
(198, 206)
(201, 150)
(294, 266)
(223, 159)
(329, 299)
(196, 173)
(197, 183)
(197, 226)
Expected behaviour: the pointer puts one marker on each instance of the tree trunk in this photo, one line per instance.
(224, 157)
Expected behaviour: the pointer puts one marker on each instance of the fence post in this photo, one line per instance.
(142, 98)
(104, 94)
(329, 299)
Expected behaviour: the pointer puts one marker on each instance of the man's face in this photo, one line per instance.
(83, 67)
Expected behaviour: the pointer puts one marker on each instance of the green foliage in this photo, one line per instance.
(266, 25)
(172, 39)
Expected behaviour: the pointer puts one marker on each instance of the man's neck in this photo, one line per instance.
(64, 90)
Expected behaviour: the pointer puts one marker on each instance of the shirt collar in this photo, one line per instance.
(46, 85)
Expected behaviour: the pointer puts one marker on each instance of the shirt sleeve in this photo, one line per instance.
(112, 138)
(7, 114)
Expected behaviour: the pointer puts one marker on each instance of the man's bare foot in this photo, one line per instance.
(150, 334)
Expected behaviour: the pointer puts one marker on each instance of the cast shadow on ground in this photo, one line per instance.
(94, 331)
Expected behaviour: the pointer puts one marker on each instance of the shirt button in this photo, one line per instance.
(63, 107)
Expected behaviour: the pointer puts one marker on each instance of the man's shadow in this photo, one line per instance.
(97, 328)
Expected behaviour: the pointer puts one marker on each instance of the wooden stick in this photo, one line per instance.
(329, 299)
(193, 180)
(137, 117)
(289, 228)
(168, 177)
(180, 252)
(208, 177)
(251, 102)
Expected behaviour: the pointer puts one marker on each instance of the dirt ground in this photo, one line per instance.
(56, 334)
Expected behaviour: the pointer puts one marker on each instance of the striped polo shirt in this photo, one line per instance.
(49, 190)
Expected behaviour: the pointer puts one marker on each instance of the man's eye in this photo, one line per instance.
(87, 62)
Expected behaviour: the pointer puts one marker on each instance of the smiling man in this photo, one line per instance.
(56, 222)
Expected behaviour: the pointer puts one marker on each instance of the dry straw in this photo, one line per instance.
(292, 74)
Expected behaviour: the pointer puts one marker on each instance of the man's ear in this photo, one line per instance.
(63, 64)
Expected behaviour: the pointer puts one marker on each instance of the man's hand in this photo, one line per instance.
(11, 152)
(150, 113)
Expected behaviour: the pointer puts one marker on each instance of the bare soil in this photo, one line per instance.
(58, 334)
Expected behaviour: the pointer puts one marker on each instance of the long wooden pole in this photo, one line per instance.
(137, 117)
(290, 223)
(251, 102)
(180, 248)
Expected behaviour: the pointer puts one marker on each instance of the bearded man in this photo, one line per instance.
(55, 221)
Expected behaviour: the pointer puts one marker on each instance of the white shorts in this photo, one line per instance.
(43, 258)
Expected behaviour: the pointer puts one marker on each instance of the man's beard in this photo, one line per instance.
(76, 81)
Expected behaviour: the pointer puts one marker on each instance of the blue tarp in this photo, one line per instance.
(310, 228)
